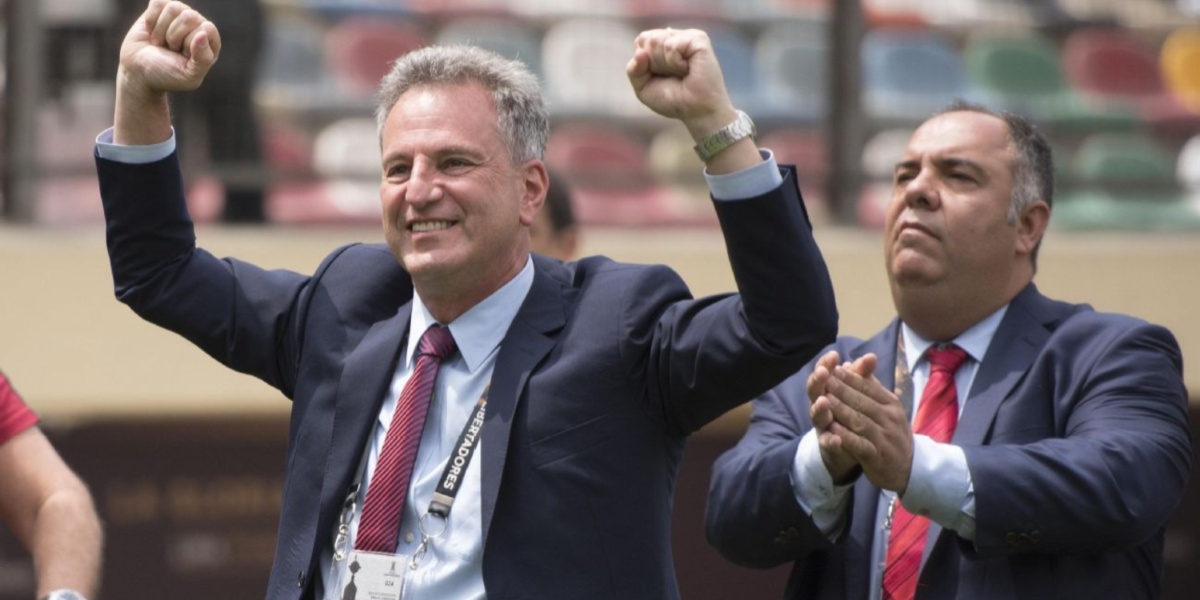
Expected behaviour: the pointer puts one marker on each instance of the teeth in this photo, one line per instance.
(423, 226)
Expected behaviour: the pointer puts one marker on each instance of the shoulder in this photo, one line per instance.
(603, 275)
(1081, 335)
(362, 278)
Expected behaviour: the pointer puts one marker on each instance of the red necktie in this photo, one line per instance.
(936, 417)
(378, 530)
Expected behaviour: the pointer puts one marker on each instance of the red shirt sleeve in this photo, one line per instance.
(15, 416)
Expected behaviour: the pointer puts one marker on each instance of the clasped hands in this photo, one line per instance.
(859, 423)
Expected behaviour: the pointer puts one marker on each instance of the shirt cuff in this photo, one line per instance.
(824, 501)
(133, 155)
(939, 486)
(750, 182)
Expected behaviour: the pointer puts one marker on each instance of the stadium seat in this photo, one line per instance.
(882, 151)
(880, 155)
(1131, 14)
(1022, 73)
(1126, 181)
(611, 178)
(337, 9)
(348, 148)
(323, 203)
(791, 62)
(894, 13)
(566, 9)
(584, 63)
(1180, 62)
(507, 37)
(360, 50)
(456, 9)
(1187, 170)
(1110, 65)
(1110, 157)
(292, 75)
(908, 74)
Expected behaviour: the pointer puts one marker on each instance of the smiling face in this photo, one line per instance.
(456, 211)
(948, 244)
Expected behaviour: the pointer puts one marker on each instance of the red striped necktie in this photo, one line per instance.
(937, 416)
(388, 489)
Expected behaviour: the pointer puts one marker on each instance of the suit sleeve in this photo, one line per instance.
(239, 314)
(753, 518)
(704, 357)
(1114, 469)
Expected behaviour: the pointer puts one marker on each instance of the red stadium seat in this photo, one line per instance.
(1109, 64)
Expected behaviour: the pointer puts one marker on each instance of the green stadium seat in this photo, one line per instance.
(1023, 74)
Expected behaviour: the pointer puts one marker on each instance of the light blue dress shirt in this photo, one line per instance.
(453, 565)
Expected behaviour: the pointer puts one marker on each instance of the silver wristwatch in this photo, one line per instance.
(741, 127)
(63, 595)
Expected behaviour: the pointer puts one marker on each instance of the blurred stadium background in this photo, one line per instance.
(185, 458)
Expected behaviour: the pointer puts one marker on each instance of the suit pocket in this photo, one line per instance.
(574, 440)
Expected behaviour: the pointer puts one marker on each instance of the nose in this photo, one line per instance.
(423, 186)
(921, 192)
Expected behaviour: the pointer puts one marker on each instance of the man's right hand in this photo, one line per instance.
(838, 461)
(170, 48)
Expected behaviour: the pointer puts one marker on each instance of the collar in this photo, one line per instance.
(478, 331)
(974, 340)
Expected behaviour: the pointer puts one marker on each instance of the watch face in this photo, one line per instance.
(64, 595)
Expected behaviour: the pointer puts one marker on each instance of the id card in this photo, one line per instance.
(374, 576)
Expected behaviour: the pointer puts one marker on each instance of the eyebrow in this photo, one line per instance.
(943, 163)
(442, 153)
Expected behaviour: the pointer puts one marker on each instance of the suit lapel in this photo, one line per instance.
(862, 526)
(524, 346)
(368, 371)
(1018, 341)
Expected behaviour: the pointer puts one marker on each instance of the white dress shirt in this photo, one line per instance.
(939, 485)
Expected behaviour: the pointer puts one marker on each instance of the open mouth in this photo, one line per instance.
(427, 226)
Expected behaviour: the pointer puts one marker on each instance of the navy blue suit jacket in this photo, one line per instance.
(603, 373)
(1076, 436)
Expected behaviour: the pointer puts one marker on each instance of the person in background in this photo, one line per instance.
(469, 419)
(46, 505)
(990, 442)
(554, 232)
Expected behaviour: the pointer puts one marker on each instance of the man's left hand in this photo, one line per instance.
(871, 424)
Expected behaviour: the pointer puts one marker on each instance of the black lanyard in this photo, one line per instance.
(460, 459)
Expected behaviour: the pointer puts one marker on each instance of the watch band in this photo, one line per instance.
(741, 127)
(63, 594)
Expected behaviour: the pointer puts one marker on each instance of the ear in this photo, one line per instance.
(1031, 225)
(536, 182)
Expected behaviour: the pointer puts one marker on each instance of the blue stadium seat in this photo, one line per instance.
(908, 74)
(507, 37)
(791, 60)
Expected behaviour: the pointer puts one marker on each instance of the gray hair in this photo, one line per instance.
(1033, 164)
(516, 95)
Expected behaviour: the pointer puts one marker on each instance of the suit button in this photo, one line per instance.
(300, 580)
(1012, 539)
(1036, 536)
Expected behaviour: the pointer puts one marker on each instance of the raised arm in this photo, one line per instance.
(170, 48)
(675, 73)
